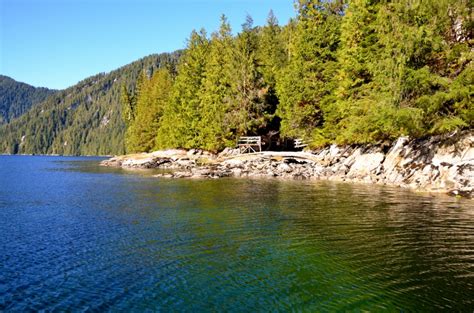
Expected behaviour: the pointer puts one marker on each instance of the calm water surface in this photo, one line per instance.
(75, 236)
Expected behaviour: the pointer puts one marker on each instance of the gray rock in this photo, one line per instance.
(365, 164)
(441, 164)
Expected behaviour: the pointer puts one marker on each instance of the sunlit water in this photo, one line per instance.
(76, 236)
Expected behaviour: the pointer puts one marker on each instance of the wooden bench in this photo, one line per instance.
(250, 144)
(300, 143)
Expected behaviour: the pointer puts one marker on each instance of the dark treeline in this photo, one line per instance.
(16, 98)
(84, 119)
(340, 72)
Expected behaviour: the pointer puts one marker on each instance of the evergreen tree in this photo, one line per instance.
(306, 85)
(246, 111)
(216, 92)
(344, 71)
(181, 119)
(395, 72)
(150, 103)
(271, 51)
(271, 57)
(128, 109)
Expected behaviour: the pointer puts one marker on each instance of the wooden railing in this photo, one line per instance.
(300, 143)
(250, 144)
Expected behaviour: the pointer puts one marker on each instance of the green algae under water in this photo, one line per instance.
(76, 236)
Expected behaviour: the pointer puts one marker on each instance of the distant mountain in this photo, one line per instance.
(84, 119)
(16, 98)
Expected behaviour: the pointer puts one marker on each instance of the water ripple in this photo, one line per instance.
(78, 237)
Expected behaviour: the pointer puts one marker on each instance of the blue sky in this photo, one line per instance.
(56, 43)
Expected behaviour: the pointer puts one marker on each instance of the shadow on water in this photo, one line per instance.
(103, 238)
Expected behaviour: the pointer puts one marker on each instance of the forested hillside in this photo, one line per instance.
(81, 120)
(16, 98)
(340, 72)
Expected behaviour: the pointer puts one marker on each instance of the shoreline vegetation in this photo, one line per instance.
(381, 93)
(340, 72)
(441, 164)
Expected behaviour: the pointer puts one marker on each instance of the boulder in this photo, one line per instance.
(365, 164)
(439, 163)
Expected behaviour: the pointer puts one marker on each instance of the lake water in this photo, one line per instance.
(76, 236)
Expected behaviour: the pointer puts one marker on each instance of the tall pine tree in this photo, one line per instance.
(305, 86)
(182, 116)
(245, 114)
(216, 90)
(400, 71)
(271, 57)
(150, 104)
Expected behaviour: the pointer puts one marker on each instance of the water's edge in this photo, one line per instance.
(77, 236)
(442, 164)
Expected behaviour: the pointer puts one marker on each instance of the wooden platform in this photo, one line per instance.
(249, 144)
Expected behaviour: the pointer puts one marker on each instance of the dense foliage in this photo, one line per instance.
(345, 72)
(16, 98)
(225, 87)
(341, 71)
(405, 69)
(81, 120)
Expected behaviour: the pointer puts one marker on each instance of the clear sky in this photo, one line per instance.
(56, 43)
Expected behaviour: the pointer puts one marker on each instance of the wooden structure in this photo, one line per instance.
(250, 144)
(300, 143)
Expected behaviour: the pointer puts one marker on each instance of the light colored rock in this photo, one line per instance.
(462, 175)
(349, 161)
(366, 163)
(468, 154)
(283, 167)
(136, 162)
(234, 163)
(440, 164)
(192, 152)
(334, 151)
(393, 157)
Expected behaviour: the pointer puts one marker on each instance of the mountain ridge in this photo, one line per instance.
(83, 119)
(17, 97)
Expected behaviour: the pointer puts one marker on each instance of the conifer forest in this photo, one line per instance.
(345, 72)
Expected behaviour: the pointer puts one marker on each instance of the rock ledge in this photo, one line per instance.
(436, 164)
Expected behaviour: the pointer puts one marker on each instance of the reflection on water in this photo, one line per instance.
(78, 236)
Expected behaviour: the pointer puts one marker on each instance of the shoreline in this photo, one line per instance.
(58, 155)
(440, 164)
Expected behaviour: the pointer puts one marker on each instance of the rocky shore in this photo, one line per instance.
(436, 164)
